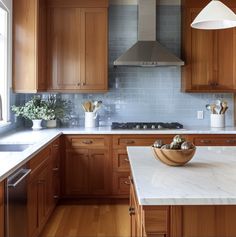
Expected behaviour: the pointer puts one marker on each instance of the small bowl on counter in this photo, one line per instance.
(178, 153)
(174, 157)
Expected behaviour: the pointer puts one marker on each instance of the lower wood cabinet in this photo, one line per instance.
(120, 164)
(87, 166)
(2, 209)
(181, 221)
(43, 187)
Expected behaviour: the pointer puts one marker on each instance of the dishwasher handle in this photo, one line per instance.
(20, 176)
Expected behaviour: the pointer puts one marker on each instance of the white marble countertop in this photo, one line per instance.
(208, 179)
(10, 161)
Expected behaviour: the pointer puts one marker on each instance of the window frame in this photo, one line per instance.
(8, 80)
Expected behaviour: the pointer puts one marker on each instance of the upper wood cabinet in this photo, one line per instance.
(77, 48)
(29, 46)
(209, 55)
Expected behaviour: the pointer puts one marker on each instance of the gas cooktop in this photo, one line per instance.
(150, 126)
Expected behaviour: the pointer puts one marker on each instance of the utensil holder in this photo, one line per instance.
(90, 120)
(217, 120)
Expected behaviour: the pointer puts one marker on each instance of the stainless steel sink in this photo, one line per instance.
(13, 147)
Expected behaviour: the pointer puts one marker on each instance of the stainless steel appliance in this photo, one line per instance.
(16, 203)
(145, 126)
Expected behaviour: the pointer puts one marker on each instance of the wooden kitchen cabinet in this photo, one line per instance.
(29, 46)
(40, 191)
(121, 167)
(2, 209)
(213, 140)
(56, 170)
(87, 166)
(209, 55)
(78, 46)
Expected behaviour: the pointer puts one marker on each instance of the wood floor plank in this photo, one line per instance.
(89, 221)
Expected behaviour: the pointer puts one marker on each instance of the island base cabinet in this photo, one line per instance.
(181, 221)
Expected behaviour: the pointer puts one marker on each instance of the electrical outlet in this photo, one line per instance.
(200, 114)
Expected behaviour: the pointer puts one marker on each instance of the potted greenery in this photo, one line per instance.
(56, 109)
(35, 110)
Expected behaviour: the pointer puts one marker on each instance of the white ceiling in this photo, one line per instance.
(134, 2)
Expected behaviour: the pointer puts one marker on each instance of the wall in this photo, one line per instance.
(146, 94)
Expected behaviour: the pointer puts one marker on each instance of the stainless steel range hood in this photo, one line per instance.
(147, 52)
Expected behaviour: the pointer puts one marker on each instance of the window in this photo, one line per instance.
(4, 65)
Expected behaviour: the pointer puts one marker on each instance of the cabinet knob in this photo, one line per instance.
(83, 83)
(129, 142)
(55, 146)
(205, 141)
(56, 197)
(127, 182)
(78, 84)
(131, 211)
(55, 169)
(127, 160)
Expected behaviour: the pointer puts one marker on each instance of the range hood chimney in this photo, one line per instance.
(147, 52)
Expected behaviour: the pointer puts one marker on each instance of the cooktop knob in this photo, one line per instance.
(159, 126)
(153, 126)
(137, 126)
(145, 126)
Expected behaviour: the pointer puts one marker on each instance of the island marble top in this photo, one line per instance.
(208, 179)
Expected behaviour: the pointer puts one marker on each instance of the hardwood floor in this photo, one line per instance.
(89, 221)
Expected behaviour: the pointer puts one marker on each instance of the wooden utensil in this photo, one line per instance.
(224, 107)
(213, 106)
(87, 106)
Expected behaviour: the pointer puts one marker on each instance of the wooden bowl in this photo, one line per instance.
(174, 157)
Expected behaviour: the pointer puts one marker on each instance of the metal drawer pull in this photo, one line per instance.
(22, 173)
(131, 211)
(205, 141)
(127, 182)
(87, 142)
(231, 141)
(55, 196)
(126, 159)
(130, 142)
(55, 169)
(55, 146)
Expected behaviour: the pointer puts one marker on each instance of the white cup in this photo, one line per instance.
(90, 120)
(217, 120)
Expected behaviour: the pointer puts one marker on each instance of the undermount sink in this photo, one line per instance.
(13, 147)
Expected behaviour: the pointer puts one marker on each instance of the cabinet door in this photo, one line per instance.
(203, 69)
(77, 172)
(29, 39)
(94, 51)
(99, 171)
(64, 48)
(33, 206)
(226, 50)
(56, 169)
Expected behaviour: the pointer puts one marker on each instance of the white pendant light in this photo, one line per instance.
(214, 16)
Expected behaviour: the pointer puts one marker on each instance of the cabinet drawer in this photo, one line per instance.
(37, 161)
(214, 141)
(157, 215)
(120, 160)
(86, 141)
(139, 140)
(121, 183)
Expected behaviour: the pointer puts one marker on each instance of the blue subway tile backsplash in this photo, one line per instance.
(146, 94)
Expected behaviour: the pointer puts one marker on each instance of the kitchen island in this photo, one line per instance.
(196, 200)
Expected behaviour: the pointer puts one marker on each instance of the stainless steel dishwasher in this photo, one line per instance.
(16, 203)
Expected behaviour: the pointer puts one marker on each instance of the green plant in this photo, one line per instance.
(33, 109)
(57, 108)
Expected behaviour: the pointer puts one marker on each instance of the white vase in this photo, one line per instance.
(37, 124)
(52, 123)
